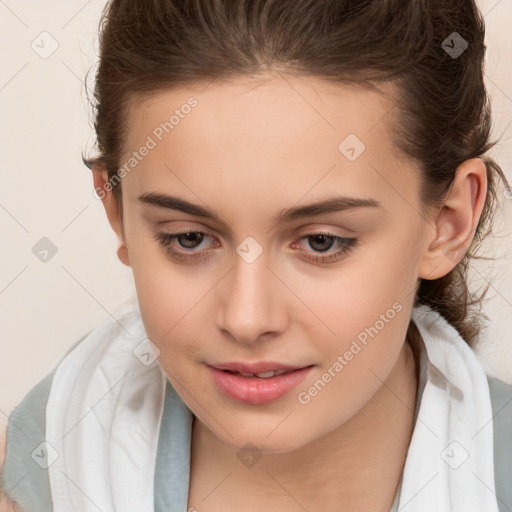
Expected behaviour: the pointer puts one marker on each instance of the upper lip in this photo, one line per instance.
(259, 367)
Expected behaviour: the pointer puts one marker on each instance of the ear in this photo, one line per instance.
(103, 190)
(454, 227)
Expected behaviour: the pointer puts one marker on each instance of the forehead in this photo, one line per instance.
(261, 134)
(300, 105)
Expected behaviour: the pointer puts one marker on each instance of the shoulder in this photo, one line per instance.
(24, 478)
(501, 402)
(499, 387)
(6, 505)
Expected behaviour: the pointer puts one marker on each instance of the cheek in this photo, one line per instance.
(365, 312)
(370, 324)
(356, 296)
(164, 291)
(168, 299)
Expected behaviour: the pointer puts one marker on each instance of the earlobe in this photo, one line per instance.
(112, 209)
(122, 254)
(456, 222)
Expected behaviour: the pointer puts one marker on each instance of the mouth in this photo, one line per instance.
(257, 383)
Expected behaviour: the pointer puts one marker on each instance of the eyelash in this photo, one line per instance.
(347, 246)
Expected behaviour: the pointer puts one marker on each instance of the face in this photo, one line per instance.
(252, 276)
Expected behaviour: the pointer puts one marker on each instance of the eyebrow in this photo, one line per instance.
(330, 205)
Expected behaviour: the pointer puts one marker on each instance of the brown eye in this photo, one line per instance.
(190, 240)
(186, 244)
(322, 242)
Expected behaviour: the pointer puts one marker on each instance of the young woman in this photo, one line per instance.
(299, 188)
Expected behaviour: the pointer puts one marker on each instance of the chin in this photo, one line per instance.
(246, 437)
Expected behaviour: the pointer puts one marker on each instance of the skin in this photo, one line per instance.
(248, 151)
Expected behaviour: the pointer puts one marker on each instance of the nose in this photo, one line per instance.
(252, 305)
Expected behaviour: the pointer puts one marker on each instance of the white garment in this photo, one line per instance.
(106, 402)
(103, 419)
(450, 461)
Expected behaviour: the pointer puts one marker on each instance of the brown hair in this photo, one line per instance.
(152, 45)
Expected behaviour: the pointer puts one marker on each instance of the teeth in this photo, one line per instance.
(263, 375)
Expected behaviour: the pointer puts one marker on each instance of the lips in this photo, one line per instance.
(257, 383)
(255, 368)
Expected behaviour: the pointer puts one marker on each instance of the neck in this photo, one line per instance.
(359, 464)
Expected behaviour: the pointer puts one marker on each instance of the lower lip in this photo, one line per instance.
(253, 390)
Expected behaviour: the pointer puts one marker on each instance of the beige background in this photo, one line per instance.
(47, 192)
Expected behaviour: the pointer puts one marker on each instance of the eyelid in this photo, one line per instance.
(313, 229)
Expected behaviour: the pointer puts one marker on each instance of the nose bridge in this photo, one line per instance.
(249, 308)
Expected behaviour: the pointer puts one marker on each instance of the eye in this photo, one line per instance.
(189, 240)
(322, 242)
